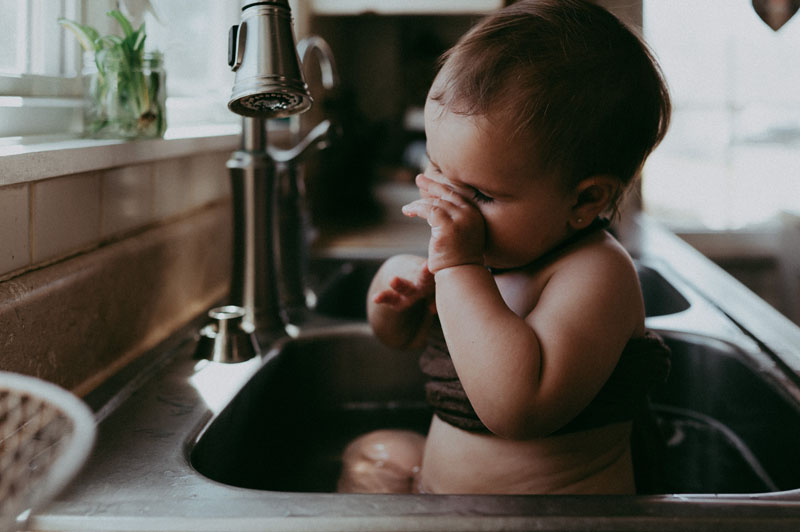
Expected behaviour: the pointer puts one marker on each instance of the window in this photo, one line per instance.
(40, 62)
(193, 34)
(39, 90)
(732, 156)
(29, 41)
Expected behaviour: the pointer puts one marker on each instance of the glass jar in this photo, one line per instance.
(122, 100)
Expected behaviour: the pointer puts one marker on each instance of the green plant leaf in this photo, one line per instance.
(123, 99)
(138, 43)
(87, 36)
(111, 41)
(127, 28)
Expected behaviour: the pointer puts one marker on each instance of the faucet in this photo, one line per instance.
(268, 84)
(293, 221)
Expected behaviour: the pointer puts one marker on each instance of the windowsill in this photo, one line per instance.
(26, 161)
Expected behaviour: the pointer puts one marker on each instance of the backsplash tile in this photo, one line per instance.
(97, 266)
(75, 212)
(172, 187)
(14, 228)
(66, 215)
(79, 320)
(189, 182)
(127, 197)
(212, 181)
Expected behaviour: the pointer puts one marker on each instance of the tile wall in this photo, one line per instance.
(45, 221)
(97, 267)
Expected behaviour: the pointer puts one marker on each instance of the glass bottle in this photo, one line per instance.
(124, 100)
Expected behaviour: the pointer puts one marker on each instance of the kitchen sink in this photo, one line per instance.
(198, 445)
(286, 428)
(729, 423)
(730, 418)
(342, 285)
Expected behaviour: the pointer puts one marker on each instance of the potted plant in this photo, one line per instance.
(124, 85)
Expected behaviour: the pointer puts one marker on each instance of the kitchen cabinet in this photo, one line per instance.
(387, 61)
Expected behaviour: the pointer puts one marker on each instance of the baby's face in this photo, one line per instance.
(525, 213)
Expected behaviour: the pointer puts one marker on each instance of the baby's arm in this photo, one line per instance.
(400, 301)
(526, 376)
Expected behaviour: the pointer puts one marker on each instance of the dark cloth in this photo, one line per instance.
(643, 364)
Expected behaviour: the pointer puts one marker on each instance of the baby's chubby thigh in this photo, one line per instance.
(382, 461)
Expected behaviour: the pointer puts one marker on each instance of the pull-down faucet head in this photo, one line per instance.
(269, 82)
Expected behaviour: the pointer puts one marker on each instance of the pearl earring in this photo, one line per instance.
(580, 220)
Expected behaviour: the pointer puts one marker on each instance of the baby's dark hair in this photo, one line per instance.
(568, 75)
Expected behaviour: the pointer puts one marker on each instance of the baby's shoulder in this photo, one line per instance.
(597, 260)
(602, 253)
(599, 268)
(596, 276)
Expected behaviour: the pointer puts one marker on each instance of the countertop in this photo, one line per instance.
(394, 234)
(139, 478)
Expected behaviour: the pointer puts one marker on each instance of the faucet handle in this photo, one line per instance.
(228, 338)
(318, 138)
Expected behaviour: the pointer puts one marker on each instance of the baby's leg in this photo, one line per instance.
(382, 461)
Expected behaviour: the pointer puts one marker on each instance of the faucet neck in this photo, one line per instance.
(254, 134)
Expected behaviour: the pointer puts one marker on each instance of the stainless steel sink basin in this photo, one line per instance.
(341, 286)
(188, 445)
(730, 416)
(730, 424)
(286, 428)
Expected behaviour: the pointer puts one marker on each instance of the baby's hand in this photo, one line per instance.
(457, 226)
(404, 292)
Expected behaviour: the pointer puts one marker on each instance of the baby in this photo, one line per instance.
(530, 313)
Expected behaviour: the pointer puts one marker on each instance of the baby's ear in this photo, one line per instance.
(593, 195)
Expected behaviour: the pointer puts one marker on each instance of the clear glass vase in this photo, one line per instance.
(124, 101)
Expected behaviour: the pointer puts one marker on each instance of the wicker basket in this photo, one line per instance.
(46, 434)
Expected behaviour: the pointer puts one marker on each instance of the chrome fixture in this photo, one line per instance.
(228, 338)
(268, 84)
(293, 221)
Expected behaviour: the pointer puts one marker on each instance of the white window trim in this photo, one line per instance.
(32, 105)
(40, 158)
(32, 85)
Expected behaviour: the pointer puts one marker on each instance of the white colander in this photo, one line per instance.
(46, 434)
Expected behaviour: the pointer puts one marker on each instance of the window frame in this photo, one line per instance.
(45, 97)
(34, 104)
